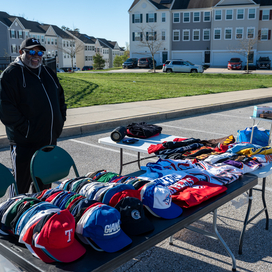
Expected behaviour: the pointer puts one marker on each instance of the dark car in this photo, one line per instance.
(66, 69)
(86, 68)
(130, 63)
(264, 62)
(146, 63)
(235, 64)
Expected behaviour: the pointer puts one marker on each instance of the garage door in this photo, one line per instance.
(194, 57)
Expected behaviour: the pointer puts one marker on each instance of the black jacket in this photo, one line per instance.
(32, 105)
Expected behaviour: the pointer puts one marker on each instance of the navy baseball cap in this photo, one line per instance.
(30, 43)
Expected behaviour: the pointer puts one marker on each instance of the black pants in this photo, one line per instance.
(21, 158)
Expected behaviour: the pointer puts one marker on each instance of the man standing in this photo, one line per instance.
(32, 108)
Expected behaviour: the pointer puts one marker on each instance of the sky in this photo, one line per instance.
(107, 19)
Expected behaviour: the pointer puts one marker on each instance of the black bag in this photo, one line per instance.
(143, 130)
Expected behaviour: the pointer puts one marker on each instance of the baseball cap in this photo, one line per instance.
(112, 191)
(125, 193)
(30, 43)
(56, 238)
(101, 225)
(133, 219)
(157, 200)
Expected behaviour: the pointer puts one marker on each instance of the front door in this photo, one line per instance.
(164, 57)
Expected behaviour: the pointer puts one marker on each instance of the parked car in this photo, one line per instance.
(235, 64)
(76, 69)
(60, 70)
(181, 66)
(130, 63)
(86, 68)
(264, 62)
(146, 62)
(66, 69)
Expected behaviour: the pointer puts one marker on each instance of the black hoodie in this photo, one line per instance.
(32, 105)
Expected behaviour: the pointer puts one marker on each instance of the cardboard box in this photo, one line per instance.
(261, 110)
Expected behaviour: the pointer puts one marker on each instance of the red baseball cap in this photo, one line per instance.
(57, 238)
(123, 194)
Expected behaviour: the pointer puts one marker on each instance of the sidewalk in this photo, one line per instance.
(97, 118)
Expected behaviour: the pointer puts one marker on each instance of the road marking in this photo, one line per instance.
(203, 131)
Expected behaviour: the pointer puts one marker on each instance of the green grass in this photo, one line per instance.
(88, 89)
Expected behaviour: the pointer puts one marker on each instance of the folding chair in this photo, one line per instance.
(6, 179)
(49, 164)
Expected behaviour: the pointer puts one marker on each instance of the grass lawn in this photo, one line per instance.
(88, 89)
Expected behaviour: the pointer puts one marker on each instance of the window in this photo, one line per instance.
(218, 15)
(12, 34)
(264, 34)
(13, 48)
(163, 17)
(251, 13)
(196, 16)
(52, 41)
(239, 33)
(137, 18)
(240, 14)
(217, 34)
(229, 14)
(137, 36)
(63, 43)
(42, 38)
(196, 35)
(176, 18)
(265, 16)
(38, 37)
(176, 35)
(186, 17)
(206, 34)
(56, 41)
(186, 35)
(151, 17)
(27, 34)
(250, 32)
(48, 54)
(163, 35)
(228, 33)
(151, 36)
(207, 16)
(20, 34)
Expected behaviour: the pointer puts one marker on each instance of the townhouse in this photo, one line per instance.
(66, 46)
(202, 31)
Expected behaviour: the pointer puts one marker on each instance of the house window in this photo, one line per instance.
(228, 34)
(26, 34)
(239, 33)
(38, 37)
(137, 36)
(206, 34)
(137, 18)
(186, 17)
(229, 14)
(163, 35)
(240, 14)
(63, 43)
(218, 15)
(264, 34)
(52, 41)
(265, 16)
(20, 34)
(186, 35)
(13, 48)
(196, 17)
(176, 35)
(151, 17)
(176, 18)
(217, 34)
(42, 38)
(56, 42)
(12, 34)
(163, 18)
(207, 16)
(250, 32)
(196, 35)
(151, 36)
(251, 13)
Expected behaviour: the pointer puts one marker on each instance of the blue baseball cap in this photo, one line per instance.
(101, 224)
(157, 200)
(112, 191)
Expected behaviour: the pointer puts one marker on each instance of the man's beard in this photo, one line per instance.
(27, 61)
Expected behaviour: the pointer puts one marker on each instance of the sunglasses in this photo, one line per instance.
(33, 53)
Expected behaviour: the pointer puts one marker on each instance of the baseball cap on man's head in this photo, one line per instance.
(30, 43)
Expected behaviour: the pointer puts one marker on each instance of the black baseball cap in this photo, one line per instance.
(30, 43)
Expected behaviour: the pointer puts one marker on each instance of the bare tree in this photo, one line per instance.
(245, 48)
(152, 40)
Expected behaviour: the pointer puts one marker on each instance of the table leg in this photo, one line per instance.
(264, 204)
(121, 161)
(139, 159)
(245, 222)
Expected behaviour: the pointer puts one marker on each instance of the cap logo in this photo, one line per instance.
(35, 41)
(68, 232)
(135, 214)
(112, 229)
(167, 200)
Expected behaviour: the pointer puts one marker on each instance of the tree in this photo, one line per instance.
(99, 62)
(150, 39)
(245, 48)
(118, 60)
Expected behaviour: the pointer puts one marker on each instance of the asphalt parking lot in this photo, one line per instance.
(191, 251)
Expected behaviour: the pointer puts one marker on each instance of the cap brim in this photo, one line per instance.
(173, 212)
(38, 252)
(114, 244)
(88, 241)
(35, 45)
(66, 254)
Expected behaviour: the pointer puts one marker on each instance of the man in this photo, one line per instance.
(32, 108)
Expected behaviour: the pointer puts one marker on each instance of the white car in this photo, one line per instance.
(181, 66)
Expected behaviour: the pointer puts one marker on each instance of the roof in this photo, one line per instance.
(159, 4)
(83, 37)
(191, 4)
